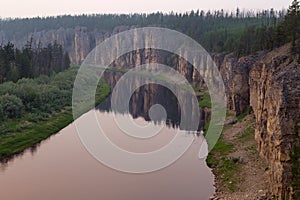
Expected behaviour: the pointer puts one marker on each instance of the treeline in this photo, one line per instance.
(289, 29)
(185, 22)
(31, 62)
(216, 31)
(256, 38)
(241, 31)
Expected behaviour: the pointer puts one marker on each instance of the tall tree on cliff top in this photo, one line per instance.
(288, 30)
(292, 20)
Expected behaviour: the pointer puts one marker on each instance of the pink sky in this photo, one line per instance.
(31, 8)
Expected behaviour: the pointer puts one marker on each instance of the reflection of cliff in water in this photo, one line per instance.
(150, 94)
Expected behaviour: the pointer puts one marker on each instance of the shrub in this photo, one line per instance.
(12, 106)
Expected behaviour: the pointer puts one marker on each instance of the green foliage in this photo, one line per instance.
(267, 36)
(292, 21)
(43, 105)
(41, 95)
(216, 31)
(205, 101)
(31, 134)
(255, 38)
(223, 147)
(241, 116)
(226, 167)
(247, 135)
(242, 32)
(28, 62)
(289, 29)
(11, 106)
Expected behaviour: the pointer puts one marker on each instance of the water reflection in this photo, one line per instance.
(61, 168)
(151, 94)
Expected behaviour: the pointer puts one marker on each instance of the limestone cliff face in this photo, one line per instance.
(80, 41)
(235, 73)
(270, 84)
(275, 98)
(77, 41)
(146, 56)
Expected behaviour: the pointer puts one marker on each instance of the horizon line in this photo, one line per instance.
(139, 13)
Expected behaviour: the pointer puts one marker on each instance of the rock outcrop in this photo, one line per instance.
(235, 73)
(78, 41)
(270, 84)
(275, 99)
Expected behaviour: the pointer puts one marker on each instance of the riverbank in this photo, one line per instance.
(240, 173)
(22, 134)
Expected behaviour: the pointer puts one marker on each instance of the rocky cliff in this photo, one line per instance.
(270, 84)
(275, 98)
(235, 73)
(78, 41)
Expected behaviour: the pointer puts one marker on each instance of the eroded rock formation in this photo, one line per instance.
(235, 73)
(270, 84)
(78, 41)
(275, 99)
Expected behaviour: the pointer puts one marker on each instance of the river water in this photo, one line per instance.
(60, 168)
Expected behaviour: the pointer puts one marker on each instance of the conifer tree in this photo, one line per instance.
(292, 20)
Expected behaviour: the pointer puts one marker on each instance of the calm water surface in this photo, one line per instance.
(61, 169)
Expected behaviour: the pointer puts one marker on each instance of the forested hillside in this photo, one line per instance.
(31, 62)
(241, 31)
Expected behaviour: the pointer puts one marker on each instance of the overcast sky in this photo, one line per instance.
(32, 8)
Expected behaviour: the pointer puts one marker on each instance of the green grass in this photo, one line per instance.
(205, 101)
(221, 149)
(29, 135)
(247, 135)
(241, 116)
(228, 168)
(229, 114)
(20, 134)
(251, 148)
(224, 167)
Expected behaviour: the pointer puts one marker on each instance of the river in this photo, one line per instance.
(60, 168)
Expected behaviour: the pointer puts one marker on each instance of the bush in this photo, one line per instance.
(12, 106)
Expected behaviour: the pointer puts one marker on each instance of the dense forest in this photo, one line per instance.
(31, 62)
(216, 31)
(242, 31)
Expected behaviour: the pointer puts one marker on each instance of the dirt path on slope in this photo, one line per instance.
(240, 172)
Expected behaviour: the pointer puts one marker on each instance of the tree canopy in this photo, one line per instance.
(31, 62)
